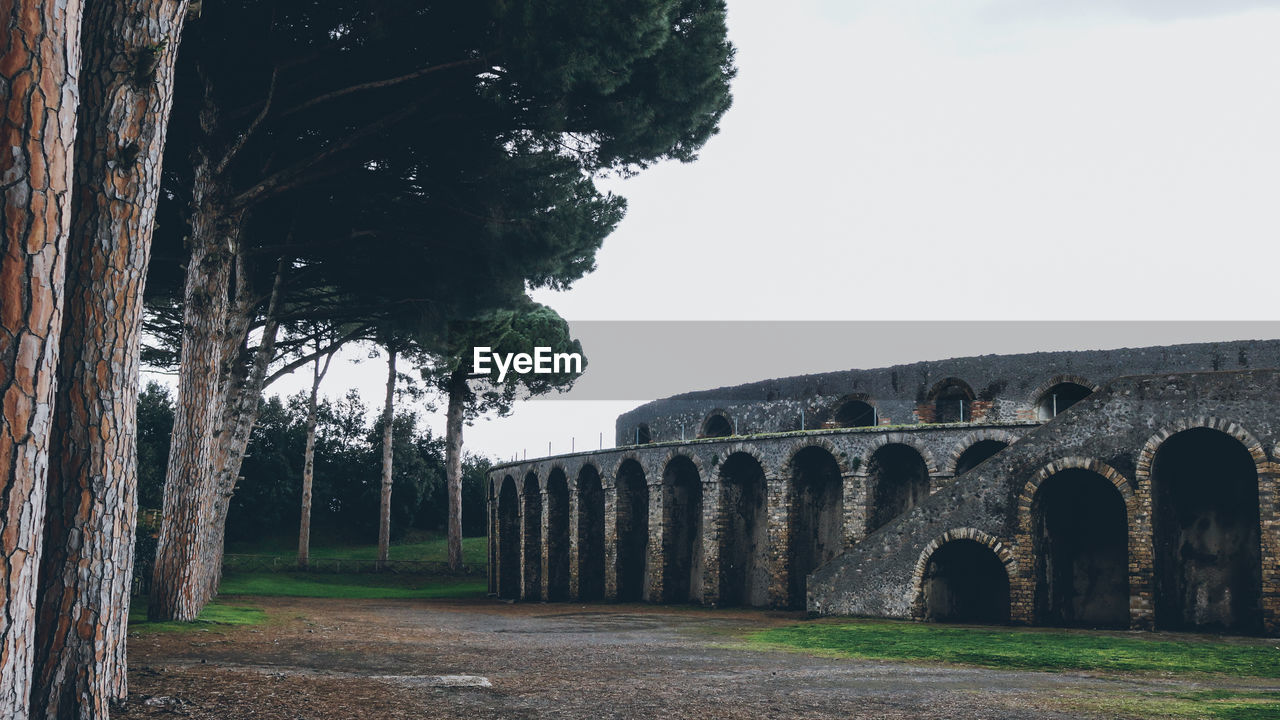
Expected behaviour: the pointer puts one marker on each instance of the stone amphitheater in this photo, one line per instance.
(1119, 488)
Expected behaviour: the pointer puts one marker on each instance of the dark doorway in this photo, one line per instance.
(682, 531)
(532, 538)
(633, 531)
(1208, 560)
(964, 582)
(508, 540)
(717, 425)
(978, 453)
(1080, 543)
(817, 517)
(590, 535)
(951, 401)
(899, 481)
(643, 437)
(1058, 398)
(557, 536)
(744, 544)
(855, 413)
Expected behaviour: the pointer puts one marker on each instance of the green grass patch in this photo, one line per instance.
(215, 614)
(350, 585)
(1224, 704)
(1026, 649)
(415, 546)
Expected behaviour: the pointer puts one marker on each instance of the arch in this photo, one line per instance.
(532, 500)
(632, 530)
(717, 424)
(898, 480)
(682, 567)
(508, 540)
(951, 398)
(557, 535)
(743, 524)
(1206, 531)
(816, 525)
(642, 436)
(590, 521)
(970, 584)
(1078, 462)
(953, 467)
(978, 453)
(854, 411)
(1060, 396)
(1079, 535)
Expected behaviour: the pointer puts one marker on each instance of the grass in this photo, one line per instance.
(350, 585)
(1024, 649)
(214, 614)
(415, 546)
(1224, 704)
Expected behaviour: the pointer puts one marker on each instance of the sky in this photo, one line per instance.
(898, 160)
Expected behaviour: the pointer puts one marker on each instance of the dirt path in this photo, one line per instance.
(333, 659)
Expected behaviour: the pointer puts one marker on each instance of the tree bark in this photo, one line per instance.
(453, 461)
(179, 587)
(388, 418)
(86, 570)
(308, 462)
(39, 64)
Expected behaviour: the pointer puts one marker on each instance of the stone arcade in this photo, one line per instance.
(1126, 488)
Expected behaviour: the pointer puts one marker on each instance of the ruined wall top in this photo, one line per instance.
(981, 389)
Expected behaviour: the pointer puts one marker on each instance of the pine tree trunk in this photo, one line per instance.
(453, 462)
(39, 63)
(309, 462)
(86, 570)
(179, 583)
(384, 507)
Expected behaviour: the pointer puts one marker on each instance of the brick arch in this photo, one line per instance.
(820, 442)
(831, 409)
(617, 465)
(660, 468)
(1076, 462)
(702, 426)
(930, 463)
(1043, 387)
(1002, 550)
(1147, 456)
(947, 382)
(748, 449)
(968, 441)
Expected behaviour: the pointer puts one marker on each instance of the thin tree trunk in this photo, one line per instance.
(39, 63)
(179, 583)
(453, 461)
(388, 418)
(86, 570)
(241, 400)
(308, 461)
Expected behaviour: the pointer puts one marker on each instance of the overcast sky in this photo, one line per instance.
(957, 160)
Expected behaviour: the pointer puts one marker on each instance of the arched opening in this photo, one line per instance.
(951, 399)
(817, 517)
(532, 538)
(1080, 541)
(643, 437)
(590, 535)
(717, 425)
(964, 582)
(633, 531)
(557, 536)
(508, 540)
(1060, 397)
(978, 453)
(855, 413)
(899, 481)
(682, 531)
(744, 544)
(1208, 559)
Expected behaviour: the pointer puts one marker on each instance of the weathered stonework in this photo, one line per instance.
(994, 503)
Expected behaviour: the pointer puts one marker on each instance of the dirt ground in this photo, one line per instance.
(332, 659)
